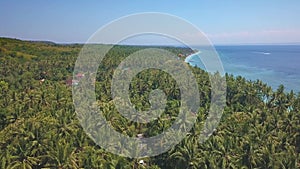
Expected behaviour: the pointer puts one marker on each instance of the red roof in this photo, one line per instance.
(71, 82)
(80, 75)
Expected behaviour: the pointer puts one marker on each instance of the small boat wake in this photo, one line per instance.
(262, 53)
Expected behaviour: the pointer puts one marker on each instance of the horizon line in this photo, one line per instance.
(170, 45)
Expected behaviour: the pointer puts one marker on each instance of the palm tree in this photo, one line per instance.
(62, 155)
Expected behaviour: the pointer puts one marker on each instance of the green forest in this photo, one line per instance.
(260, 126)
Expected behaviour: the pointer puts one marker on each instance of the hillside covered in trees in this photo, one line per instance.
(260, 126)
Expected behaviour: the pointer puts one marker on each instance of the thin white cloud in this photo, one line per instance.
(263, 36)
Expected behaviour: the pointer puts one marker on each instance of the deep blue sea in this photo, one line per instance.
(273, 64)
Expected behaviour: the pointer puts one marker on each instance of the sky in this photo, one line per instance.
(223, 22)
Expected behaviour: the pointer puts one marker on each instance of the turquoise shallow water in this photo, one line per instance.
(273, 64)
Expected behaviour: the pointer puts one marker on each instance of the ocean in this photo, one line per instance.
(273, 64)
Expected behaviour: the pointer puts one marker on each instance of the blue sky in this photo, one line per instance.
(224, 22)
